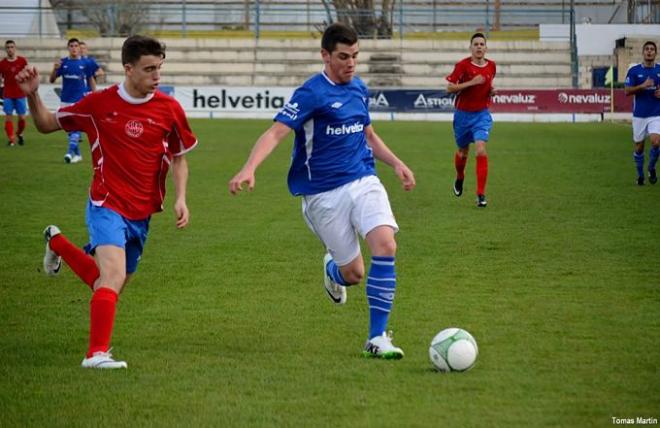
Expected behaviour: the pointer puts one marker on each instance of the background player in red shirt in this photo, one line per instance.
(13, 97)
(135, 133)
(472, 81)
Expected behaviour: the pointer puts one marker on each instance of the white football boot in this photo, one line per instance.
(52, 262)
(381, 347)
(76, 159)
(103, 360)
(336, 292)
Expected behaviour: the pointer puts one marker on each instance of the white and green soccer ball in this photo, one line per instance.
(453, 350)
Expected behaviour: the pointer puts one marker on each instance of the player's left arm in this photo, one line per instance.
(92, 83)
(180, 176)
(385, 155)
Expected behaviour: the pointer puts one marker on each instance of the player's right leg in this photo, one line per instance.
(639, 128)
(463, 138)
(638, 157)
(328, 216)
(8, 107)
(21, 111)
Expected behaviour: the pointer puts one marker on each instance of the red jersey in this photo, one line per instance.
(474, 98)
(9, 70)
(133, 142)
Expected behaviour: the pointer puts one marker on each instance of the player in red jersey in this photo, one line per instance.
(472, 81)
(135, 133)
(13, 97)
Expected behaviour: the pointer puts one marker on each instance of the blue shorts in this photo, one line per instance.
(11, 104)
(107, 227)
(471, 126)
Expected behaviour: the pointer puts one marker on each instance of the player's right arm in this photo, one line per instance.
(28, 81)
(54, 71)
(262, 148)
(458, 87)
(648, 83)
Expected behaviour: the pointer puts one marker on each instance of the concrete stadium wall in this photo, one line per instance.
(382, 63)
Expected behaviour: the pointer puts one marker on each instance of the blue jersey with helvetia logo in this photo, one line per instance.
(330, 148)
(646, 104)
(75, 73)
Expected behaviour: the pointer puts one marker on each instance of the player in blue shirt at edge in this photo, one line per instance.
(77, 80)
(333, 170)
(643, 81)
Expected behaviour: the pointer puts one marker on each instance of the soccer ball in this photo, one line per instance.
(453, 349)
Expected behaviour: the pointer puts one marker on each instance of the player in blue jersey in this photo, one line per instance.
(643, 81)
(77, 80)
(333, 170)
(95, 68)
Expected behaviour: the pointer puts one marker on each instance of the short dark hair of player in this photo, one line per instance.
(137, 46)
(476, 35)
(338, 33)
(73, 40)
(647, 43)
(10, 42)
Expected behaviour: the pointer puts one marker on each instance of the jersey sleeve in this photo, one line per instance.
(77, 116)
(299, 109)
(92, 67)
(630, 77)
(456, 74)
(181, 139)
(365, 100)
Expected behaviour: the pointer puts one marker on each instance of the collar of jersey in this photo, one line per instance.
(130, 99)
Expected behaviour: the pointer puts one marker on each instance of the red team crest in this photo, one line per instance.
(134, 128)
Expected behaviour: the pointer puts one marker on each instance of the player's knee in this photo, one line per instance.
(112, 278)
(386, 248)
(353, 276)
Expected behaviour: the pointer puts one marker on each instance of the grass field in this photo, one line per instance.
(226, 323)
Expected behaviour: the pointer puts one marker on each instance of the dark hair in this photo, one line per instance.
(73, 40)
(475, 35)
(82, 42)
(650, 43)
(137, 46)
(10, 41)
(338, 33)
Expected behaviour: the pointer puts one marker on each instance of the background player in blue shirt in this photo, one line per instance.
(333, 170)
(77, 80)
(95, 68)
(643, 81)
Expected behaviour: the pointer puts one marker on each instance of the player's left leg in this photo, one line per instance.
(374, 220)
(381, 288)
(481, 130)
(74, 141)
(482, 172)
(654, 153)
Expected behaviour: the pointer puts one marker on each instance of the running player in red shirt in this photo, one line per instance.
(472, 81)
(135, 133)
(13, 97)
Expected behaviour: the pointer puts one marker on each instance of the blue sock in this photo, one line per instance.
(333, 272)
(74, 140)
(653, 157)
(639, 163)
(381, 283)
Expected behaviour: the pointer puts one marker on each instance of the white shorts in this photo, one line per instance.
(645, 126)
(338, 215)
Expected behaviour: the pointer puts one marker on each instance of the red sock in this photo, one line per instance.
(482, 174)
(459, 163)
(9, 130)
(21, 126)
(101, 319)
(82, 264)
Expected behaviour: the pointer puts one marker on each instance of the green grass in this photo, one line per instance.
(226, 323)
